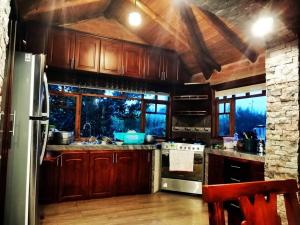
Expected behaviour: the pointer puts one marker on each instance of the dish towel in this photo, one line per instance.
(181, 160)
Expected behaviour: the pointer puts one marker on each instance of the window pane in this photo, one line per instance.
(221, 107)
(103, 116)
(149, 96)
(227, 107)
(70, 89)
(113, 93)
(161, 108)
(163, 97)
(224, 125)
(54, 87)
(92, 91)
(250, 113)
(150, 107)
(156, 124)
(62, 112)
(133, 95)
(256, 92)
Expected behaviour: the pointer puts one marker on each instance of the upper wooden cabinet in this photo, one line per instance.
(133, 60)
(111, 57)
(170, 66)
(36, 38)
(87, 53)
(152, 64)
(60, 51)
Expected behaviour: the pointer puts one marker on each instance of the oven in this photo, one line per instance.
(182, 181)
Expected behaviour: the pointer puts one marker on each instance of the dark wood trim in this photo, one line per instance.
(241, 82)
(230, 35)
(78, 116)
(196, 41)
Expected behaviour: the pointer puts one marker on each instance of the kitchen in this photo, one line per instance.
(139, 111)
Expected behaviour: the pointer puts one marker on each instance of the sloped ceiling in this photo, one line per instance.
(207, 34)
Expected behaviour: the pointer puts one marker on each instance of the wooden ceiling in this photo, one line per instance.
(207, 34)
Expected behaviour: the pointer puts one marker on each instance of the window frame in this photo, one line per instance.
(78, 106)
(232, 111)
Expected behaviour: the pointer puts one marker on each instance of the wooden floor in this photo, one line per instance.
(156, 209)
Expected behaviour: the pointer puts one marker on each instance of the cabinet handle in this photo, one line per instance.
(235, 167)
(113, 159)
(116, 159)
(236, 180)
(61, 159)
(57, 161)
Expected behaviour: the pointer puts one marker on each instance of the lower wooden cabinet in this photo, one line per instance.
(144, 172)
(101, 174)
(223, 169)
(94, 174)
(73, 180)
(48, 182)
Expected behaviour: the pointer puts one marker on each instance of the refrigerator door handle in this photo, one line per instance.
(13, 115)
(45, 122)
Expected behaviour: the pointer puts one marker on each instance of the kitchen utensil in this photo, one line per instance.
(149, 139)
(63, 137)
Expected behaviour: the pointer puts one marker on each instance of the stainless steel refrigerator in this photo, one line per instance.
(30, 114)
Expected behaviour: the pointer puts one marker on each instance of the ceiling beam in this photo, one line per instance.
(197, 43)
(229, 35)
(166, 26)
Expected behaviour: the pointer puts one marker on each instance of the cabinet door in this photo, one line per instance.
(73, 176)
(61, 46)
(133, 58)
(36, 38)
(48, 189)
(111, 57)
(101, 174)
(87, 52)
(144, 172)
(215, 169)
(171, 66)
(125, 172)
(153, 64)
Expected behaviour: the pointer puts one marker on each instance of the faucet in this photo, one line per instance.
(90, 128)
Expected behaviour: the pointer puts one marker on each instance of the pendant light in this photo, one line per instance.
(134, 18)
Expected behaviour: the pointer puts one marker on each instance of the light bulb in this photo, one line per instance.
(262, 26)
(135, 19)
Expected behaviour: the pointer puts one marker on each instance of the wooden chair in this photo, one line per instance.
(258, 201)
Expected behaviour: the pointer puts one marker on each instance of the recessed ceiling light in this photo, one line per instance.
(262, 26)
(134, 19)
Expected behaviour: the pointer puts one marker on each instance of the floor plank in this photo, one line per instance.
(157, 209)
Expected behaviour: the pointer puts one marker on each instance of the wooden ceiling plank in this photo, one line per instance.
(196, 41)
(155, 17)
(229, 35)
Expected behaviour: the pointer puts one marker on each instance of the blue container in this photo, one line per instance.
(130, 138)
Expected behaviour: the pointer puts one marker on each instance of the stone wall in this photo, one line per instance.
(282, 84)
(4, 18)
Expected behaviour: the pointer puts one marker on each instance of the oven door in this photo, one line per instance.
(196, 175)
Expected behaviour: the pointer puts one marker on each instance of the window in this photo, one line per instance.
(96, 112)
(62, 112)
(242, 112)
(156, 119)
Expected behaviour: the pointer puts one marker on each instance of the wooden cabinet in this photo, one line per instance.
(73, 182)
(111, 57)
(60, 51)
(170, 66)
(87, 53)
(125, 172)
(223, 169)
(36, 38)
(152, 64)
(101, 174)
(48, 182)
(133, 60)
(144, 172)
(215, 169)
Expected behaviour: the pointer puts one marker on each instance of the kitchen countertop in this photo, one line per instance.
(236, 154)
(86, 147)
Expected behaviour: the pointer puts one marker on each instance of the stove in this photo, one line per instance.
(182, 181)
